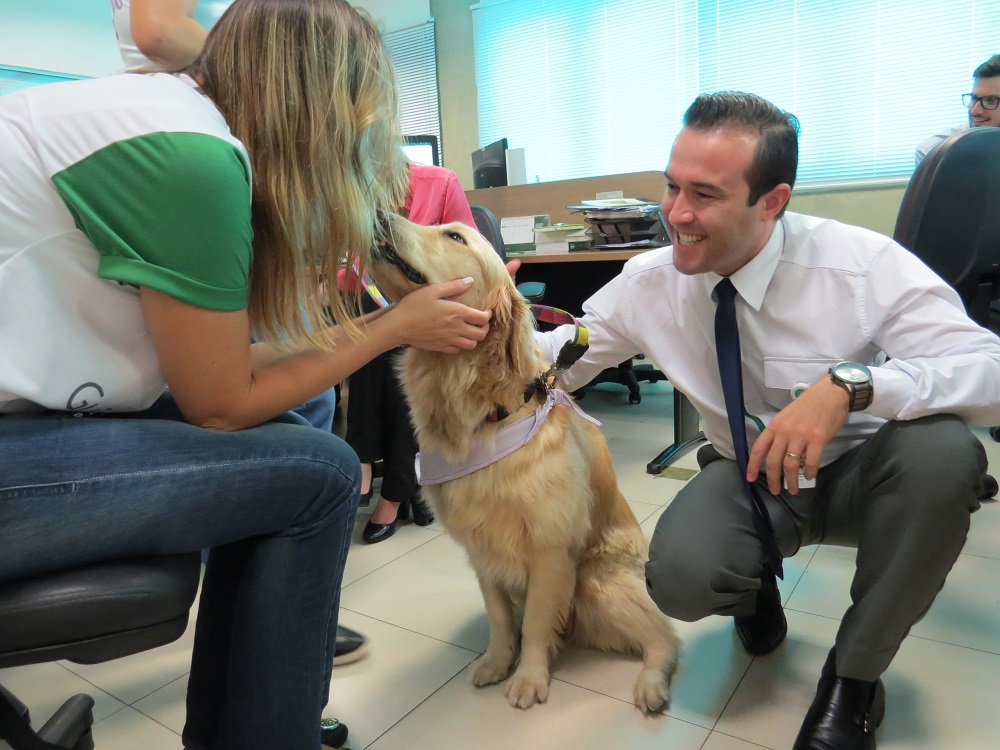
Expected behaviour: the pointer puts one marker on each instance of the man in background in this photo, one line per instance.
(982, 104)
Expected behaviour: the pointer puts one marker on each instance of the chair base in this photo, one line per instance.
(629, 375)
(69, 727)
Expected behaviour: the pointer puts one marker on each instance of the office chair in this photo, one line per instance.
(949, 218)
(489, 227)
(88, 615)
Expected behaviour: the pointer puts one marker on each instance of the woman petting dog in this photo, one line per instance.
(149, 223)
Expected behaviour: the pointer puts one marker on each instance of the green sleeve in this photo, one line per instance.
(169, 211)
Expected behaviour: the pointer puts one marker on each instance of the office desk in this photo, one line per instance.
(580, 256)
(570, 279)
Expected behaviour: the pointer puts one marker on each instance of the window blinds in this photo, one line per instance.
(593, 87)
(14, 79)
(415, 58)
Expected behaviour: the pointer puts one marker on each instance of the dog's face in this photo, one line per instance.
(501, 365)
(415, 255)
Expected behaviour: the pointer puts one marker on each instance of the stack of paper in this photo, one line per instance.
(518, 232)
(623, 223)
(560, 238)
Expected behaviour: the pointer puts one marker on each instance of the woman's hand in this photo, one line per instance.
(429, 319)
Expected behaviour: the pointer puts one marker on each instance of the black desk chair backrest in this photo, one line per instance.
(489, 227)
(88, 615)
(950, 216)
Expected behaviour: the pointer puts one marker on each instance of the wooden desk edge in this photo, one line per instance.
(577, 256)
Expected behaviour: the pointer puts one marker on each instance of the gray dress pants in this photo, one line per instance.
(902, 499)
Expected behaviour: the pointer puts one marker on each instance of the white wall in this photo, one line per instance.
(67, 36)
(394, 15)
(76, 36)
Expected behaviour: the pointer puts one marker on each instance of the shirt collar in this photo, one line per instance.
(752, 280)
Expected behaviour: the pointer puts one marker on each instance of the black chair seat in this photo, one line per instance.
(100, 612)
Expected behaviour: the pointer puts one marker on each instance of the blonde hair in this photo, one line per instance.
(309, 89)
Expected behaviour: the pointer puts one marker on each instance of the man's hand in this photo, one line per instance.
(797, 436)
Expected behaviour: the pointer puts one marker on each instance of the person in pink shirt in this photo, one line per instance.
(378, 418)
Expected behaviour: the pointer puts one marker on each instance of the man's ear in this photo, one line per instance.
(774, 200)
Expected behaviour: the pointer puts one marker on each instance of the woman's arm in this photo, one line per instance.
(220, 382)
(165, 31)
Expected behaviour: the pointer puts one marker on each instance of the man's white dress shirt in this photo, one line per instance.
(818, 293)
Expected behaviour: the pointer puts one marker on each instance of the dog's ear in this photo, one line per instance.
(508, 344)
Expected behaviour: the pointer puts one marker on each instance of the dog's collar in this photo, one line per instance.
(499, 412)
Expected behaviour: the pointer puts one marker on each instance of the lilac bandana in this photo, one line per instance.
(433, 468)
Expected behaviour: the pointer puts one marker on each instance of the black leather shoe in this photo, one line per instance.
(350, 646)
(332, 733)
(366, 497)
(843, 715)
(374, 533)
(765, 629)
(422, 513)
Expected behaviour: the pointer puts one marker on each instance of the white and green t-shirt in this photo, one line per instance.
(107, 185)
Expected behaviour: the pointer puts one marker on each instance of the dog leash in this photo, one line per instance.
(369, 284)
(573, 349)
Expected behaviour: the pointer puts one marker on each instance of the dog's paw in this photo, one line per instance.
(525, 688)
(652, 691)
(491, 670)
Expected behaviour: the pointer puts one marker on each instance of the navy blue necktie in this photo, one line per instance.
(727, 344)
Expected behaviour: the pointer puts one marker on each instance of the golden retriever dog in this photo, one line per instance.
(557, 550)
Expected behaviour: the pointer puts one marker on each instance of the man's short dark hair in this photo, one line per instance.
(776, 158)
(988, 69)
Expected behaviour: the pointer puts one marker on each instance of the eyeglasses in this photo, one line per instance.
(987, 102)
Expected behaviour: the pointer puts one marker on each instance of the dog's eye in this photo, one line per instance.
(455, 236)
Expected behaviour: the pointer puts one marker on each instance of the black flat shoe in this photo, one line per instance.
(332, 733)
(844, 714)
(765, 629)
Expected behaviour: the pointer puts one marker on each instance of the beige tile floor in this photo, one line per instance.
(418, 602)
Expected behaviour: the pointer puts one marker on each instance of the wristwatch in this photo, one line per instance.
(856, 379)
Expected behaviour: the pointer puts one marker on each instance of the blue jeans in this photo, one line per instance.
(274, 503)
(319, 411)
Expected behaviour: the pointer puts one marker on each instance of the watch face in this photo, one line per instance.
(851, 372)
